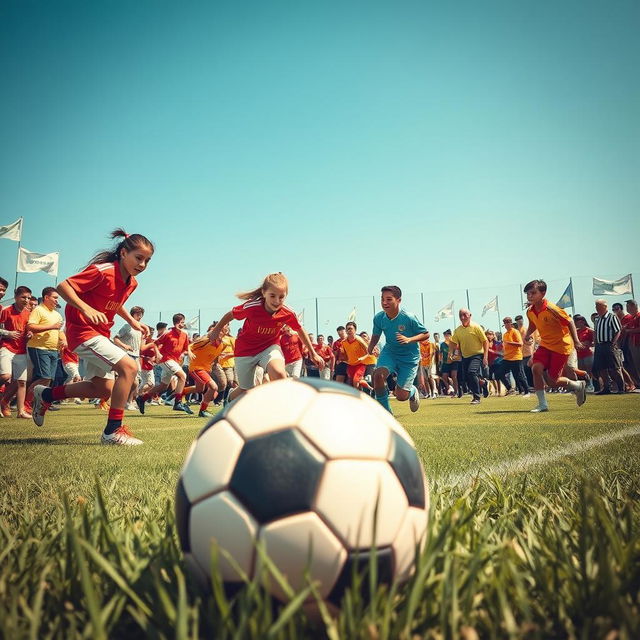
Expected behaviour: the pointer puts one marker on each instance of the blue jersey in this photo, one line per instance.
(405, 323)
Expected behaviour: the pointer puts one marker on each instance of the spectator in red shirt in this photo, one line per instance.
(632, 331)
(291, 346)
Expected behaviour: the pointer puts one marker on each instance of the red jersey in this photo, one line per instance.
(69, 356)
(337, 348)
(172, 344)
(585, 336)
(15, 320)
(291, 347)
(324, 352)
(634, 338)
(101, 286)
(147, 353)
(261, 329)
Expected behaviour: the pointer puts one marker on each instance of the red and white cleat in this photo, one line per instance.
(39, 406)
(121, 436)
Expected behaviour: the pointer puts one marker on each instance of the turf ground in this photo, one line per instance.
(535, 530)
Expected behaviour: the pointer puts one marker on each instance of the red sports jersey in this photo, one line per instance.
(172, 344)
(337, 347)
(324, 352)
(69, 356)
(15, 320)
(291, 347)
(261, 329)
(147, 352)
(101, 286)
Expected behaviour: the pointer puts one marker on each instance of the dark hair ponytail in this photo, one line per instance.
(128, 242)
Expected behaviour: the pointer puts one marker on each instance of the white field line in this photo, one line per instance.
(518, 465)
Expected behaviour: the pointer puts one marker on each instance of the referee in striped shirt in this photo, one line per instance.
(607, 359)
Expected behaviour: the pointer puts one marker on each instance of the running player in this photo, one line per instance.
(401, 353)
(205, 351)
(94, 297)
(258, 344)
(557, 331)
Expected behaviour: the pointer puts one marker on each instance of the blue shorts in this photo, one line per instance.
(44, 362)
(405, 370)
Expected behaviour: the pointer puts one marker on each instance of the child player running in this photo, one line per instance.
(205, 352)
(94, 297)
(401, 353)
(558, 336)
(258, 344)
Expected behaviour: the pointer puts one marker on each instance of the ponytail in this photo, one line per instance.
(273, 280)
(128, 242)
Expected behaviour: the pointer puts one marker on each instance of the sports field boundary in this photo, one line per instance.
(526, 462)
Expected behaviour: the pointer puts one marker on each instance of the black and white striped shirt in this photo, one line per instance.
(606, 327)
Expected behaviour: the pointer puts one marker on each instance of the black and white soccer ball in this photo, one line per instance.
(318, 473)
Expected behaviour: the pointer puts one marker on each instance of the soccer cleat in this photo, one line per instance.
(181, 406)
(6, 410)
(205, 414)
(77, 400)
(39, 406)
(140, 403)
(414, 402)
(581, 393)
(121, 436)
(475, 401)
(539, 409)
(24, 416)
(131, 406)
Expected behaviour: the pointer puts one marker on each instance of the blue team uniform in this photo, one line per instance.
(401, 359)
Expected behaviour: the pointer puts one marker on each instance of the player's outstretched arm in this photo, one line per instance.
(214, 334)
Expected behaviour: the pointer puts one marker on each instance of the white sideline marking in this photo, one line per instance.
(519, 465)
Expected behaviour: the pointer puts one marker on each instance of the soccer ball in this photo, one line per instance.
(318, 474)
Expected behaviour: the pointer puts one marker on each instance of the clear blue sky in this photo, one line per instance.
(437, 146)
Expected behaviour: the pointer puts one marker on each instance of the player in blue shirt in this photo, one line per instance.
(401, 353)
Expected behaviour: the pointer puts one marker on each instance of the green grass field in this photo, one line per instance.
(534, 531)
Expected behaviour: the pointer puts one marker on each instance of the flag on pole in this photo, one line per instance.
(445, 312)
(566, 299)
(301, 317)
(192, 324)
(492, 305)
(12, 231)
(352, 315)
(613, 287)
(30, 262)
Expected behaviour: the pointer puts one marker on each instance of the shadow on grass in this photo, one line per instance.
(504, 411)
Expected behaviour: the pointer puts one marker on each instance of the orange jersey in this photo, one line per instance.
(353, 350)
(205, 353)
(552, 324)
(512, 352)
(427, 349)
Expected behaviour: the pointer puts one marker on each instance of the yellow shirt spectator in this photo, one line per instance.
(226, 359)
(511, 352)
(41, 315)
(427, 349)
(470, 339)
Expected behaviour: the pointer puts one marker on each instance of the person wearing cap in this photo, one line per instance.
(47, 340)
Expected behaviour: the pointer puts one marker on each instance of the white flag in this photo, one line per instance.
(445, 312)
(613, 287)
(192, 324)
(492, 305)
(12, 231)
(352, 315)
(30, 262)
(301, 317)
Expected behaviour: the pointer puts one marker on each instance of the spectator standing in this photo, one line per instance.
(607, 358)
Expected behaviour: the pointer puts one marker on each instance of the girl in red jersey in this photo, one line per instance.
(258, 344)
(94, 297)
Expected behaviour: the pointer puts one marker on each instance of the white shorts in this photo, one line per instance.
(325, 373)
(246, 365)
(72, 370)
(294, 369)
(14, 364)
(169, 369)
(147, 377)
(100, 355)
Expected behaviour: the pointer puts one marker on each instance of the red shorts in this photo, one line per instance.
(202, 379)
(552, 361)
(356, 373)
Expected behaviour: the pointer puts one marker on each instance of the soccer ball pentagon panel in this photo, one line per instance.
(301, 468)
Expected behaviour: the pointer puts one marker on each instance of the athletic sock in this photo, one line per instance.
(572, 385)
(204, 406)
(542, 399)
(177, 399)
(383, 399)
(413, 391)
(114, 421)
(49, 394)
